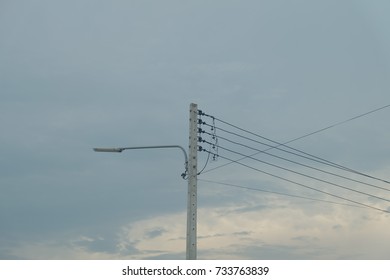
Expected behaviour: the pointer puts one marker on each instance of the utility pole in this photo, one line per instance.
(192, 183)
(191, 163)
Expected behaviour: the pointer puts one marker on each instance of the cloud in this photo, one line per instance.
(77, 74)
(228, 233)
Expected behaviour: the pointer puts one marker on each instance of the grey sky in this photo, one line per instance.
(81, 74)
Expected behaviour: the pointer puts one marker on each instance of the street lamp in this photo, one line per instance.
(191, 211)
(119, 150)
(190, 173)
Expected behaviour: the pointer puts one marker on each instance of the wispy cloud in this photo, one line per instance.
(277, 233)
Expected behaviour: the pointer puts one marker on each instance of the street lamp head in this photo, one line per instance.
(108, 150)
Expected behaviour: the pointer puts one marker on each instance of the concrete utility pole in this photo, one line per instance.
(191, 162)
(192, 184)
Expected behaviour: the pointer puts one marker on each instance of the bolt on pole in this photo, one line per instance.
(192, 184)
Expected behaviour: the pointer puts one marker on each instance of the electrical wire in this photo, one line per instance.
(204, 167)
(278, 144)
(304, 175)
(264, 151)
(311, 155)
(299, 184)
(337, 124)
(277, 193)
(325, 128)
(298, 163)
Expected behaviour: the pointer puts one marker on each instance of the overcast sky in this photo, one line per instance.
(81, 74)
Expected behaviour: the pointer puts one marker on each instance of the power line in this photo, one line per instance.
(319, 130)
(297, 183)
(304, 175)
(284, 144)
(204, 167)
(264, 151)
(298, 163)
(277, 193)
(311, 155)
(337, 124)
